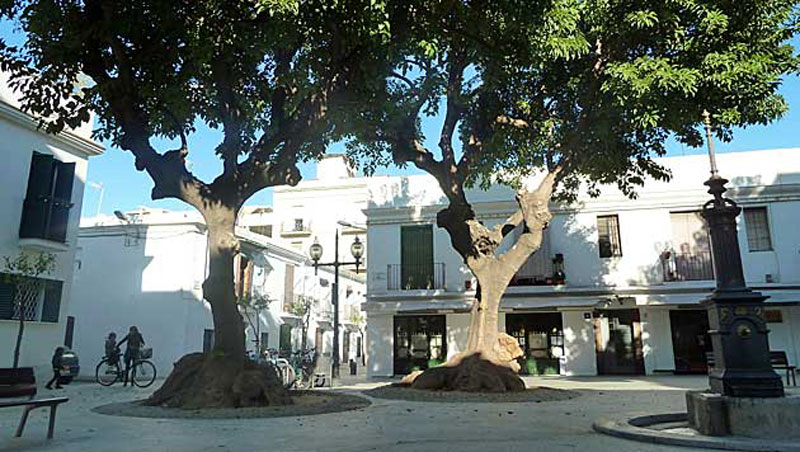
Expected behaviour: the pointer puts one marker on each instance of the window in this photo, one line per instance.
(298, 224)
(45, 212)
(264, 341)
(42, 306)
(608, 236)
(263, 230)
(416, 257)
(757, 226)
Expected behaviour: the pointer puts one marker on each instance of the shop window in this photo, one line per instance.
(419, 342)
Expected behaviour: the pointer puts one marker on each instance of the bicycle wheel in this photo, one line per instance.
(143, 374)
(107, 373)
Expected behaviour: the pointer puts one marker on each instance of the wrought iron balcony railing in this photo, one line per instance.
(415, 277)
(694, 266)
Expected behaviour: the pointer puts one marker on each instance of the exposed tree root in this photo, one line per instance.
(470, 373)
(208, 381)
(493, 370)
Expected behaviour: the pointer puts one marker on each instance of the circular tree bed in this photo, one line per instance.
(534, 395)
(304, 403)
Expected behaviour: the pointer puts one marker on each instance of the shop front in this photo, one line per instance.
(541, 337)
(419, 342)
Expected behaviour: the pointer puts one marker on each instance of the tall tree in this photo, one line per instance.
(575, 93)
(269, 74)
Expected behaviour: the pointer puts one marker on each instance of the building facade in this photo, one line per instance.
(615, 287)
(147, 268)
(42, 185)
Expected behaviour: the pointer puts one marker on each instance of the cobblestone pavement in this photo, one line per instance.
(385, 426)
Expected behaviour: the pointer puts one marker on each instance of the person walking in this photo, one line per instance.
(58, 356)
(134, 341)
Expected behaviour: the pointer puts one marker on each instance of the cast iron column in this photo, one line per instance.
(738, 329)
(335, 301)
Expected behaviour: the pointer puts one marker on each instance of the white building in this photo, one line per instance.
(635, 270)
(148, 271)
(315, 209)
(41, 182)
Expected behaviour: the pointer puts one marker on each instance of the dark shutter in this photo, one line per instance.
(208, 340)
(52, 300)
(416, 257)
(70, 332)
(36, 209)
(6, 298)
(285, 343)
(62, 201)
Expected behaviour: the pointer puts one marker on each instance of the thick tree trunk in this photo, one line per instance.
(488, 363)
(224, 377)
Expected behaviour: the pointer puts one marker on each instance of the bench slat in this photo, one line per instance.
(39, 402)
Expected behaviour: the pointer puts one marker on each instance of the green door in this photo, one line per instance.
(416, 257)
(285, 341)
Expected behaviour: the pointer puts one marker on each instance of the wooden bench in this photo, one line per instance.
(780, 361)
(20, 382)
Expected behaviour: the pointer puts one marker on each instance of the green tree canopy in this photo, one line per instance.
(584, 91)
(272, 75)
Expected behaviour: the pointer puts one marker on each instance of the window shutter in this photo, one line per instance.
(416, 257)
(36, 209)
(52, 301)
(62, 201)
(6, 298)
(288, 288)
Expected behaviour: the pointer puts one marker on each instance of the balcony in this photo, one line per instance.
(540, 270)
(296, 228)
(415, 277)
(695, 266)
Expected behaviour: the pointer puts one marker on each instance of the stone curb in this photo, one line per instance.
(632, 426)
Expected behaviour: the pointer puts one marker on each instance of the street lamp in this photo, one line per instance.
(315, 252)
(738, 328)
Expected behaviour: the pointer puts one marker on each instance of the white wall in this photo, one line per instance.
(154, 284)
(18, 140)
(380, 343)
(657, 340)
(579, 351)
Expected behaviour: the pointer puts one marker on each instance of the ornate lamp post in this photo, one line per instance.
(735, 313)
(357, 250)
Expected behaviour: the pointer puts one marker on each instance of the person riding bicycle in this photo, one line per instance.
(112, 351)
(135, 342)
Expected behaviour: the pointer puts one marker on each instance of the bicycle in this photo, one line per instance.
(143, 371)
(282, 367)
(302, 362)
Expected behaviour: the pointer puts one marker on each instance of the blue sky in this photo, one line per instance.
(124, 188)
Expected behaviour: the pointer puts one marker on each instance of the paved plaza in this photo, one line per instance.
(385, 425)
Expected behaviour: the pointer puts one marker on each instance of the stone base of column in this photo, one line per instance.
(754, 417)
